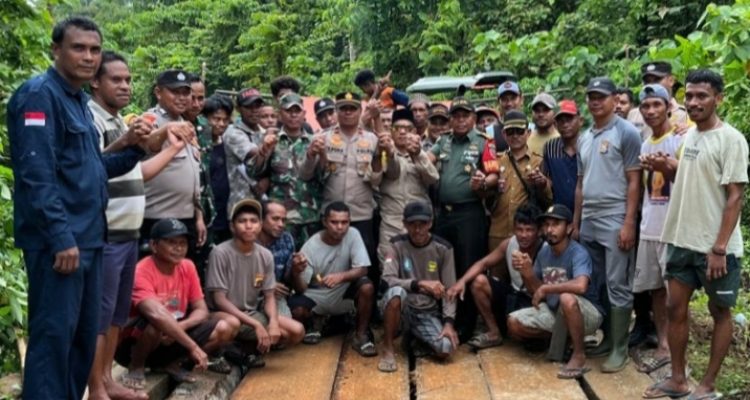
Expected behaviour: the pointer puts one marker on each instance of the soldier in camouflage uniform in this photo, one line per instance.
(280, 157)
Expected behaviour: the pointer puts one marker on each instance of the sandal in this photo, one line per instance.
(387, 364)
(135, 380)
(313, 337)
(572, 373)
(365, 348)
(659, 390)
(483, 341)
(219, 365)
(650, 365)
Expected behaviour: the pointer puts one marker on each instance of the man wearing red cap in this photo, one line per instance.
(560, 154)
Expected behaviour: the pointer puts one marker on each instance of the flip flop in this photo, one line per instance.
(135, 380)
(387, 364)
(652, 364)
(312, 338)
(365, 348)
(572, 373)
(180, 375)
(706, 396)
(658, 391)
(483, 341)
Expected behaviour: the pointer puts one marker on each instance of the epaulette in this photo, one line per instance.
(442, 241)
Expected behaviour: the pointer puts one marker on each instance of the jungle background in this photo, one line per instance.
(551, 45)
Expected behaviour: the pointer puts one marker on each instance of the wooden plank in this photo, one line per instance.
(301, 372)
(626, 384)
(513, 373)
(460, 377)
(359, 378)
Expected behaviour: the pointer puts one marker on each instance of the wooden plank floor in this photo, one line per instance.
(332, 370)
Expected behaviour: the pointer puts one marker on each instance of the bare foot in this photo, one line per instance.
(115, 391)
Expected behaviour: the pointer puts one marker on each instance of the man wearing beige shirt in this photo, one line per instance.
(407, 179)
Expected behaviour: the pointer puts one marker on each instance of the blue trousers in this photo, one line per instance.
(63, 321)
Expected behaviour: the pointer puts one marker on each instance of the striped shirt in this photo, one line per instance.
(127, 198)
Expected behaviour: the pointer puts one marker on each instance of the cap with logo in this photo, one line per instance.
(557, 211)
(402, 114)
(417, 211)
(254, 204)
(655, 90)
(168, 228)
(545, 99)
(347, 98)
(173, 79)
(508, 86)
(461, 103)
(249, 96)
(324, 104)
(438, 110)
(657, 68)
(601, 84)
(568, 107)
(515, 119)
(290, 100)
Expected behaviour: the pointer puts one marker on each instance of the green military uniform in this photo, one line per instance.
(301, 198)
(205, 144)
(461, 217)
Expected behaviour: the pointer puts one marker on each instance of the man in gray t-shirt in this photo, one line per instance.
(336, 273)
(606, 207)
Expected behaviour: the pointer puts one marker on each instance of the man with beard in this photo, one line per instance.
(111, 93)
(561, 278)
(175, 192)
(702, 230)
(418, 267)
(495, 298)
(607, 195)
(625, 102)
(543, 115)
(560, 164)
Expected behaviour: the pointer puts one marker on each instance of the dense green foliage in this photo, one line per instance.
(552, 45)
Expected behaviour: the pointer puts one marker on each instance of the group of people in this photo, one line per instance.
(185, 237)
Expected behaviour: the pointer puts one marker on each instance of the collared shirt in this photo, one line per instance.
(282, 250)
(239, 140)
(346, 171)
(536, 141)
(405, 180)
(515, 194)
(458, 157)
(677, 115)
(406, 264)
(127, 196)
(604, 157)
(562, 170)
(301, 198)
(60, 187)
(175, 191)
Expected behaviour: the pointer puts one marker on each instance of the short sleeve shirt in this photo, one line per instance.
(572, 263)
(708, 161)
(175, 291)
(243, 277)
(657, 189)
(604, 157)
(323, 259)
(562, 169)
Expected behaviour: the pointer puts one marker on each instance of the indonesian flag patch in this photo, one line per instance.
(34, 119)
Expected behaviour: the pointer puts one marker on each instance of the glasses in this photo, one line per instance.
(514, 132)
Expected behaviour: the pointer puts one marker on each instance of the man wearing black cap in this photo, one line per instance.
(661, 72)
(520, 180)
(607, 194)
(169, 316)
(561, 283)
(325, 113)
(280, 158)
(241, 141)
(349, 161)
(175, 192)
(406, 180)
(418, 268)
(468, 172)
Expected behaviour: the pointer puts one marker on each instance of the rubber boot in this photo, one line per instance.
(605, 346)
(618, 357)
